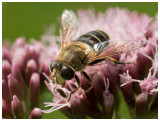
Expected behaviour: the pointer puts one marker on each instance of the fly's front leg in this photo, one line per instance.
(79, 85)
(89, 81)
(54, 81)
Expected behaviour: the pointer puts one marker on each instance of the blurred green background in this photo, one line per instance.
(31, 19)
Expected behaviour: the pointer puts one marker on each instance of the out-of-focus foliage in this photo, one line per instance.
(31, 19)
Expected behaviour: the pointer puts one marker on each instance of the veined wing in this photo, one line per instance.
(68, 28)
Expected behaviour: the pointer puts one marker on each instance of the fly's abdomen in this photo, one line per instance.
(93, 37)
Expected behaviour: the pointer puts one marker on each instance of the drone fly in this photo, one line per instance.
(86, 50)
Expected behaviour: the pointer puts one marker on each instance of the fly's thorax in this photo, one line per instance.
(75, 55)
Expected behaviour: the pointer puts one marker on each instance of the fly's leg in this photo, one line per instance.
(89, 81)
(112, 59)
(55, 82)
(79, 85)
(96, 61)
(109, 58)
(117, 62)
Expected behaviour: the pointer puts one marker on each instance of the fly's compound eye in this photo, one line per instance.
(67, 73)
(52, 65)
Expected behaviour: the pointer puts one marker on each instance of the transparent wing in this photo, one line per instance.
(69, 27)
(115, 48)
(99, 47)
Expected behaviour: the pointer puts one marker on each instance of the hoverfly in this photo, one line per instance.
(88, 49)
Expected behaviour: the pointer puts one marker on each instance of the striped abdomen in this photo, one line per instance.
(93, 37)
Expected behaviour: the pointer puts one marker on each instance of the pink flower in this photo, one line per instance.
(36, 113)
(149, 84)
(26, 66)
(120, 24)
(22, 67)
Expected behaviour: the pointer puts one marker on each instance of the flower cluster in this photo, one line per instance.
(116, 88)
(22, 79)
(136, 82)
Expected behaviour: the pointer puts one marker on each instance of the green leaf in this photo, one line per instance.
(123, 111)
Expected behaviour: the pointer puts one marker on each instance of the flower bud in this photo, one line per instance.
(126, 87)
(31, 67)
(45, 67)
(5, 92)
(80, 106)
(20, 42)
(17, 107)
(111, 72)
(6, 69)
(77, 104)
(34, 88)
(20, 58)
(6, 109)
(36, 113)
(18, 75)
(108, 101)
(141, 104)
(38, 46)
(33, 54)
(98, 83)
(14, 86)
(108, 104)
(6, 54)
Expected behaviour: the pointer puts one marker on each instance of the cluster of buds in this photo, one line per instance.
(22, 67)
(134, 86)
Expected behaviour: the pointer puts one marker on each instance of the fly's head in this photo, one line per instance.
(61, 72)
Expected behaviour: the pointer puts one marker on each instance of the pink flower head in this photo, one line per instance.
(119, 24)
(149, 84)
(22, 79)
(26, 67)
